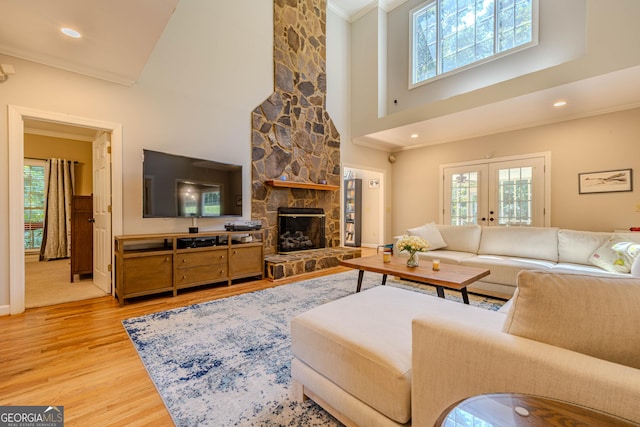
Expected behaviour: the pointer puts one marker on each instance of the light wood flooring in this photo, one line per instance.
(78, 355)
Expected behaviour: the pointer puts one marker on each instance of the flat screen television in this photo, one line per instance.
(184, 187)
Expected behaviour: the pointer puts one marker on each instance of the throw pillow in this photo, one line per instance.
(430, 233)
(615, 255)
(593, 315)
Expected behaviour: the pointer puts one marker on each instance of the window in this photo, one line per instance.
(199, 199)
(448, 35)
(211, 202)
(33, 203)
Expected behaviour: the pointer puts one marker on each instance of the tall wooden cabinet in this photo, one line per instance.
(81, 235)
(352, 212)
(153, 263)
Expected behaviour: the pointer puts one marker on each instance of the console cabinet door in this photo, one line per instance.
(245, 261)
(147, 274)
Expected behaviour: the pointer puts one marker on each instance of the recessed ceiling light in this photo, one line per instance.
(561, 103)
(71, 33)
(414, 135)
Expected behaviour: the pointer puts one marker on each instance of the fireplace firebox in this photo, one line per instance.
(300, 229)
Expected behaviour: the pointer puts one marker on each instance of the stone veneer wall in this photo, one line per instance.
(292, 134)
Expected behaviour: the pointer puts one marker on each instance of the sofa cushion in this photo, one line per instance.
(575, 247)
(615, 255)
(461, 238)
(525, 242)
(446, 256)
(430, 233)
(505, 270)
(629, 236)
(635, 267)
(591, 315)
(591, 270)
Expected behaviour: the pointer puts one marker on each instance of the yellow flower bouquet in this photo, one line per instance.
(413, 245)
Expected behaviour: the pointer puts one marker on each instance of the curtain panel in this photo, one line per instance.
(59, 189)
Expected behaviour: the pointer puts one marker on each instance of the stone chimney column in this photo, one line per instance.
(293, 137)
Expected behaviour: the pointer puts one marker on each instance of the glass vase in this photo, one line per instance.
(413, 259)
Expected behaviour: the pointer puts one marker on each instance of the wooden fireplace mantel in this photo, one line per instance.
(303, 185)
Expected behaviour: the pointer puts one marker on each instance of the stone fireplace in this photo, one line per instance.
(294, 142)
(300, 229)
(293, 138)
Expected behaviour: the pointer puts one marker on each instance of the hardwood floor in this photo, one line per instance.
(78, 355)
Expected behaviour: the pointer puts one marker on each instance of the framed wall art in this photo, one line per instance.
(605, 181)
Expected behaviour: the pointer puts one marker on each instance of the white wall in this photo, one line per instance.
(599, 143)
(340, 50)
(211, 68)
(579, 39)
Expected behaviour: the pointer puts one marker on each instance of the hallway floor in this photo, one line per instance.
(48, 283)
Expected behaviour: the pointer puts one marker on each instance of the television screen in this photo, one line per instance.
(178, 186)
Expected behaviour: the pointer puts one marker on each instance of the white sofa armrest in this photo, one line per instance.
(453, 360)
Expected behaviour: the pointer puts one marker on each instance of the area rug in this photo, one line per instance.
(227, 362)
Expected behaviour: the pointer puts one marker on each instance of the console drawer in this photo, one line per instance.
(201, 275)
(200, 258)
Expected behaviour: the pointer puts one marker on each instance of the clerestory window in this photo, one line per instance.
(449, 35)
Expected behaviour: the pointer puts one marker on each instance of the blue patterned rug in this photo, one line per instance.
(227, 362)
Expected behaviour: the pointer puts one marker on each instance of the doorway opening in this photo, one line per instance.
(18, 117)
(49, 273)
(372, 199)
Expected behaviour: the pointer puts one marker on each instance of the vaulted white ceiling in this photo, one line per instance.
(120, 35)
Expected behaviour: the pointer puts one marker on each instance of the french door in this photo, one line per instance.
(500, 192)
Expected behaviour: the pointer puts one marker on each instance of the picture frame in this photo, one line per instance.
(611, 181)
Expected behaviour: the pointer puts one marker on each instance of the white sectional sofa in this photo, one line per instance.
(395, 357)
(508, 250)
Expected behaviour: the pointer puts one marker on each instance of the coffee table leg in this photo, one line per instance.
(440, 291)
(384, 279)
(465, 295)
(360, 276)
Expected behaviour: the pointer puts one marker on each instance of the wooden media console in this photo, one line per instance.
(148, 264)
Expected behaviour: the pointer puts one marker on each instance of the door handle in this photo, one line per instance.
(92, 220)
(483, 219)
(491, 219)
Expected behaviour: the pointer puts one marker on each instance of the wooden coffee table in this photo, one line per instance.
(521, 410)
(449, 276)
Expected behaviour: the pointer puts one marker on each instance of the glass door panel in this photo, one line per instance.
(500, 193)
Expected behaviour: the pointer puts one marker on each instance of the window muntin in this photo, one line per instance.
(448, 35)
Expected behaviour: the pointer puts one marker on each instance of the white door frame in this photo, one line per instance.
(547, 180)
(381, 207)
(16, 118)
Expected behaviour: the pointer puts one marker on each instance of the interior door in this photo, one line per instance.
(102, 252)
